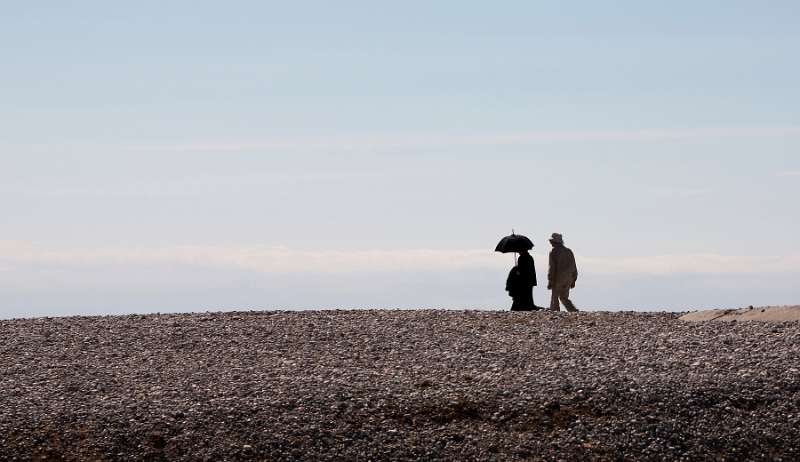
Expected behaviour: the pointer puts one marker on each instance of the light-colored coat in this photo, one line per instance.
(563, 270)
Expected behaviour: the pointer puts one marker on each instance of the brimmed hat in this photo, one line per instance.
(557, 238)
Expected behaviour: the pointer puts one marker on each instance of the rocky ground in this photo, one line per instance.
(398, 385)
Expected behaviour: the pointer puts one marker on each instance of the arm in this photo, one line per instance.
(512, 281)
(574, 269)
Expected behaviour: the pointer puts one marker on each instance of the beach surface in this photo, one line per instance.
(765, 314)
(399, 385)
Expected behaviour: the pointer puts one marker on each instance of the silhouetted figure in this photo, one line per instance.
(562, 274)
(520, 283)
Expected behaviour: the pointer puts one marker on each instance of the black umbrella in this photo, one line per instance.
(514, 243)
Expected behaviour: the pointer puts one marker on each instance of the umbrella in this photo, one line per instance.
(514, 243)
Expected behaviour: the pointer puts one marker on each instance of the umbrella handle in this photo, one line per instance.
(515, 253)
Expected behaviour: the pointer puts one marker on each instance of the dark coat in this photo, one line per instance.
(527, 270)
(522, 278)
(520, 282)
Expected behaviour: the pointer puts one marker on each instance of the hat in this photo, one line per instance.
(557, 238)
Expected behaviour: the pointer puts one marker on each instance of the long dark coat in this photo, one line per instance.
(520, 283)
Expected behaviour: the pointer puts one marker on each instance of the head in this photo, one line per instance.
(556, 240)
(523, 252)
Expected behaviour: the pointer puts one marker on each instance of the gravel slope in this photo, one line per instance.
(766, 314)
(398, 385)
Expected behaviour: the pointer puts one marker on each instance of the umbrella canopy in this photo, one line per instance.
(514, 243)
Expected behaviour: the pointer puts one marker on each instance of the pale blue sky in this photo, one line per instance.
(176, 156)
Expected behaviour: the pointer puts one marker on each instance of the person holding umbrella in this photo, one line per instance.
(522, 277)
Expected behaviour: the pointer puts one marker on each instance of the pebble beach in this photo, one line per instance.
(375, 385)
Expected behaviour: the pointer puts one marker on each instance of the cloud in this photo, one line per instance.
(412, 141)
(693, 264)
(185, 186)
(789, 173)
(685, 193)
(262, 259)
(283, 260)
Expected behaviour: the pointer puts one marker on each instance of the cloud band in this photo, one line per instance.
(286, 260)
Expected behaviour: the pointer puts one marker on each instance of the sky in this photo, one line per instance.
(192, 156)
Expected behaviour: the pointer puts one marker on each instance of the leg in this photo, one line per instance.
(564, 297)
(554, 306)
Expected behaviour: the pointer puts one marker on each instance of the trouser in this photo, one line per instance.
(561, 293)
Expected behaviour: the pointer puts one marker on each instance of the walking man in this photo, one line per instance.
(562, 275)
